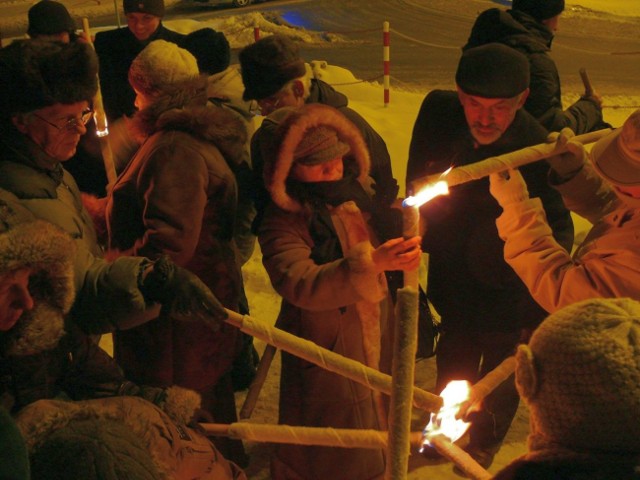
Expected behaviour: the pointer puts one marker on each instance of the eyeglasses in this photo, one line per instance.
(72, 123)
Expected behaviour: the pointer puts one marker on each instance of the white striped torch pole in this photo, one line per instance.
(386, 61)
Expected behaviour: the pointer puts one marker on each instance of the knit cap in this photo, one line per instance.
(616, 157)
(268, 64)
(580, 377)
(49, 17)
(152, 7)
(493, 71)
(160, 65)
(319, 145)
(539, 9)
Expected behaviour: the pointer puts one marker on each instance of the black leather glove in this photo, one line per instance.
(182, 294)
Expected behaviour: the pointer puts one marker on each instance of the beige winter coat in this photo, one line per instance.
(606, 264)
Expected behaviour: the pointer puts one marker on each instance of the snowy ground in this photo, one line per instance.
(394, 123)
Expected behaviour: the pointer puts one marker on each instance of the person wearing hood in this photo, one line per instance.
(117, 48)
(529, 27)
(275, 76)
(326, 256)
(178, 197)
(80, 416)
(580, 378)
(46, 102)
(604, 190)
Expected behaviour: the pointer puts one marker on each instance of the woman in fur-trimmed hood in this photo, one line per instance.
(178, 196)
(52, 375)
(323, 258)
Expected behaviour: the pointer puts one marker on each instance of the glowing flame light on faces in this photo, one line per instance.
(444, 422)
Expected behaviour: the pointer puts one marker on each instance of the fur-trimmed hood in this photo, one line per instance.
(184, 107)
(289, 127)
(48, 252)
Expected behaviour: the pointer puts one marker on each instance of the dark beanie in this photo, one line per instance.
(35, 74)
(211, 49)
(48, 17)
(152, 7)
(493, 71)
(268, 64)
(539, 9)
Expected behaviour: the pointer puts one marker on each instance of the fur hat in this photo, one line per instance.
(268, 64)
(539, 9)
(286, 131)
(152, 7)
(48, 17)
(211, 49)
(35, 74)
(507, 77)
(160, 65)
(580, 377)
(616, 157)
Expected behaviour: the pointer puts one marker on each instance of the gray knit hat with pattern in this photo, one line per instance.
(580, 377)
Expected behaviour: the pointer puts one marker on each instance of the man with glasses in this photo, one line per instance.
(47, 88)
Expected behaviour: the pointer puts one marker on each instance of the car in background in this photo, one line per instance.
(235, 3)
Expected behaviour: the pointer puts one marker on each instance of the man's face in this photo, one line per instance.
(57, 128)
(489, 118)
(322, 172)
(14, 297)
(142, 25)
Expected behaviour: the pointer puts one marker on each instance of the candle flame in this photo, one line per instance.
(444, 421)
(427, 193)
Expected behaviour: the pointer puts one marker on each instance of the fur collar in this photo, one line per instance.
(184, 107)
(291, 131)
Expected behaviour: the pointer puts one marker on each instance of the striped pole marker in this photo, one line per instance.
(256, 33)
(386, 63)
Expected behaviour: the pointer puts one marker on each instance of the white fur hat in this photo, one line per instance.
(160, 65)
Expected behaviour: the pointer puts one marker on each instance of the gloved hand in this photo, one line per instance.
(508, 187)
(566, 165)
(182, 293)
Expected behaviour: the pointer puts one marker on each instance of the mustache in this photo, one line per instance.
(492, 126)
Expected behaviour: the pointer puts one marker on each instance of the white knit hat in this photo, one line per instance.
(580, 377)
(160, 65)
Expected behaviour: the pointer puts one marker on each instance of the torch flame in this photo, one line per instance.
(427, 193)
(444, 422)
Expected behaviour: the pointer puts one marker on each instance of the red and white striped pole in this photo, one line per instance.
(386, 63)
(256, 33)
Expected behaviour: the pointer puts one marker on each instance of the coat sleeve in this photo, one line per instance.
(552, 276)
(173, 188)
(286, 255)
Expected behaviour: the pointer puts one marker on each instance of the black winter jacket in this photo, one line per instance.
(470, 284)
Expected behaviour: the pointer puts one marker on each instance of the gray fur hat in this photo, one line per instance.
(35, 74)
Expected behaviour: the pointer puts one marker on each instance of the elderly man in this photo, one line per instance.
(46, 104)
(276, 76)
(116, 50)
(485, 308)
(605, 191)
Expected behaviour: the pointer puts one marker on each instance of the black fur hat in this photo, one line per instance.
(211, 49)
(268, 64)
(35, 74)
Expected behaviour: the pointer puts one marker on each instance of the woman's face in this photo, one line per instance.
(14, 297)
(322, 172)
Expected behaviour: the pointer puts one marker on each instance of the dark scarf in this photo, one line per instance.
(318, 195)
